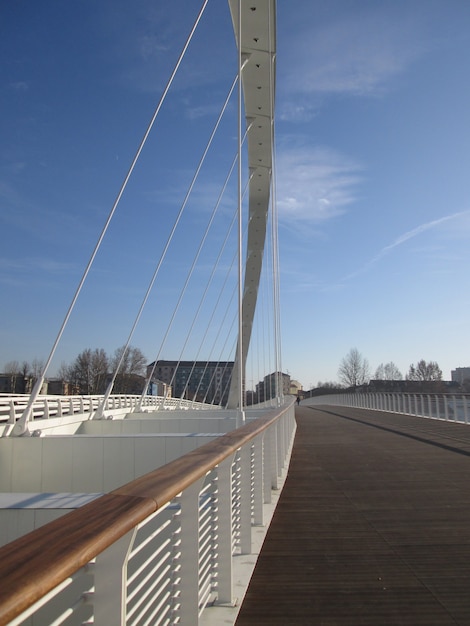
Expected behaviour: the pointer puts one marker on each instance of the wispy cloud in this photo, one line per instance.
(146, 48)
(314, 184)
(203, 110)
(411, 234)
(356, 55)
(19, 85)
(30, 264)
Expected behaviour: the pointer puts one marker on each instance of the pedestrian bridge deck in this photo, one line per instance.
(372, 527)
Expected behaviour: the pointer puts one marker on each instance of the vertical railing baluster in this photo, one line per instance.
(224, 524)
(245, 499)
(258, 486)
(12, 418)
(273, 458)
(110, 571)
(189, 538)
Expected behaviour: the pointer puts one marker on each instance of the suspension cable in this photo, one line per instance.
(149, 377)
(209, 323)
(165, 250)
(21, 428)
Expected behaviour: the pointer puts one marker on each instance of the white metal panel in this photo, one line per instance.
(57, 467)
(118, 462)
(27, 467)
(87, 462)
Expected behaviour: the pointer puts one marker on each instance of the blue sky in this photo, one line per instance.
(373, 190)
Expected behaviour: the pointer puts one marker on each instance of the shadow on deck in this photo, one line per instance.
(372, 527)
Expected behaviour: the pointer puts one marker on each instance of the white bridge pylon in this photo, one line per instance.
(256, 40)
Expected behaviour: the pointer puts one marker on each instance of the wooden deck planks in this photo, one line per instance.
(372, 527)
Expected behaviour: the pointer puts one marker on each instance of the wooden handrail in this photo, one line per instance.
(37, 562)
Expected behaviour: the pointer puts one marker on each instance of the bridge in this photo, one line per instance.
(371, 523)
(141, 509)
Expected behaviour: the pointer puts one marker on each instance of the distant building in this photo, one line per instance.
(203, 381)
(16, 383)
(295, 388)
(267, 388)
(460, 375)
(60, 387)
(159, 388)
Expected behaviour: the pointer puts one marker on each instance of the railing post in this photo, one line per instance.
(189, 538)
(224, 523)
(109, 597)
(280, 447)
(273, 458)
(270, 474)
(245, 499)
(258, 490)
(465, 408)
(454, 402)
(12, 417)
(446, 409)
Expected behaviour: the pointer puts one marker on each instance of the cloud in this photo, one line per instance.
(357, 54)
(302, 110)
(314, 184)
(19, 85)
(195, 112)
(418, 230)
(144, 50)
(39, 264)
(411, 234)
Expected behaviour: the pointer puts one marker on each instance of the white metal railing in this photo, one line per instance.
(165, 567)
(449, 407)
(45, 407)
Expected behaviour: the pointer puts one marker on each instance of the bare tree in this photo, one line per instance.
(389, 371)
(22, 376)
(354, 369)
(132, 367)
(12, 367)
(13, 370)
(89, 371)
(65, 371)
(328, 385)
(37, 367)
(424, 371)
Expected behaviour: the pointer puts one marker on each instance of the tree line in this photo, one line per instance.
(354, 370)
(91, 371)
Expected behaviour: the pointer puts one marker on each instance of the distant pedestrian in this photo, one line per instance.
(298, 400)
